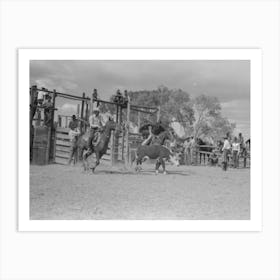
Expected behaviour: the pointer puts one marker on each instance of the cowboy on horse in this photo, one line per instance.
(96, 126)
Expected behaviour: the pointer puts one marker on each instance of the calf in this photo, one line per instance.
(158, 152)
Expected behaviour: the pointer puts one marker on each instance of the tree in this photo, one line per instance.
(173, 103)
(208, 118)
(200, 116)
(205, 109)
(221, 126)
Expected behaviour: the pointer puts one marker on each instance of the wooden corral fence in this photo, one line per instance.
(244, 160)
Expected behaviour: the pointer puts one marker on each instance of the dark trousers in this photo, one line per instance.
(225, 159)
(73, 151)
(225, 155)
(92, 134)
(235, 159)
(47, 118)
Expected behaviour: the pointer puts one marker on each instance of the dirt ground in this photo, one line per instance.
(186, 192)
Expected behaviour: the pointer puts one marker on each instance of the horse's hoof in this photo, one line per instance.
(156, 172)
(164, 173)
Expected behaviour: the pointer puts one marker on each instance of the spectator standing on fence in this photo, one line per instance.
(125, 98)
(74, 123)
(235, 152)
(48, 107)
(95, 124)
(187, 151)
(118, 97)
(41, 97)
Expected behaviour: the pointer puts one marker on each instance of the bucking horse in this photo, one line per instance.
(155, 147)
(159, 153)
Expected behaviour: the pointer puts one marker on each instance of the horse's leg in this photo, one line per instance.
(163, 166)
(86, 154)
(71, 155)
(84, 159)
(97, 161)
(75, 155)
(138, 164)
(158, 165)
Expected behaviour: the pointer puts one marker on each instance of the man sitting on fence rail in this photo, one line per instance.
(48, 109)
(96, 125)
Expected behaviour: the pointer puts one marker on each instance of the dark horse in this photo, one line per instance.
(205, 150)
(100, 148)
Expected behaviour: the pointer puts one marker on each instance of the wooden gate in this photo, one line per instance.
(62, 145)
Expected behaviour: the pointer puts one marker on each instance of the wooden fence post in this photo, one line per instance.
(59, 121)
(158, 113)
(33, 107)
(52, 132)
(82, 112)
(127, 158)
(91, 105)
(112, 148)
(138, 120)
(87, 115)
(78, 110)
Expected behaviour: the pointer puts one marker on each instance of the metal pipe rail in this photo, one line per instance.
(75, 97)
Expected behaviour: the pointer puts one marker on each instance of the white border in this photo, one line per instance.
(254, 55)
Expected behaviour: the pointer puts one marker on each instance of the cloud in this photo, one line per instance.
(237, 110)
(67, 109)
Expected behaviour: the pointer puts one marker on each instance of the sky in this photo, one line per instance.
(228, 80)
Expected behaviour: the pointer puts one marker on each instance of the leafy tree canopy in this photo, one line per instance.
(200, 116)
